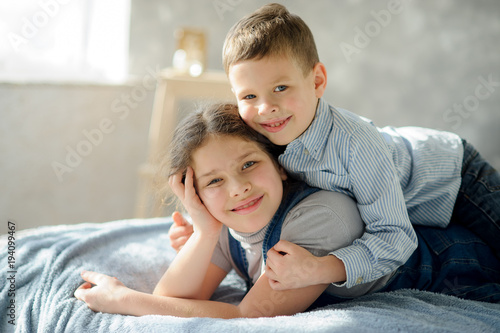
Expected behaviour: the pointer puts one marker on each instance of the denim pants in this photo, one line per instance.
(478, 201)
(451, 261)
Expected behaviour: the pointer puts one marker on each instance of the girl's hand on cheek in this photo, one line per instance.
(202, 219)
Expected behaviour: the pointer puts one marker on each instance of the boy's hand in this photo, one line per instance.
(203, 221)
(179, 232)
(289, 266)
(102, 293)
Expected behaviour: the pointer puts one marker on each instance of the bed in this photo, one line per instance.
(41, 268)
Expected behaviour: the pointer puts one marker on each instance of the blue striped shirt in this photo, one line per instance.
(396, 175)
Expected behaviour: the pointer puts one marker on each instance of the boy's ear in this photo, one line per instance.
(319, 73)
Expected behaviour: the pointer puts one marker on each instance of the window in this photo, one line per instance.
(64, 40)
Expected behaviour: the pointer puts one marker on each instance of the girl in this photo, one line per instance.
(242, 203)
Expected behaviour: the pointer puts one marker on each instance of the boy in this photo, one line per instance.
(396, 175)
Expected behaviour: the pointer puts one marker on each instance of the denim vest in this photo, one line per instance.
(273, 232)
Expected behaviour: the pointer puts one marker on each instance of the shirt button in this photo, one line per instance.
(306, 152)
(359, 280)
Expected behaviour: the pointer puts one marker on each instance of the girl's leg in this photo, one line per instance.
(451, 261)
(478, 201)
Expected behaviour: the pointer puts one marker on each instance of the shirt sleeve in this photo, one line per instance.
(389, 238)
(327, 221)
(221, 254)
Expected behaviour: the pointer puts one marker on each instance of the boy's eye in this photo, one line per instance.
(248, 164)
(280, 88)
(251, 96)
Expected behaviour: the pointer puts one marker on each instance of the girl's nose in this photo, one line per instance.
(240, 187)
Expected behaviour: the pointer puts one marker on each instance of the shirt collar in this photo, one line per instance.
(316, 135)
(250, 237)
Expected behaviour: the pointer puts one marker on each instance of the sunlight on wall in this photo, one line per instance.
(64, 40)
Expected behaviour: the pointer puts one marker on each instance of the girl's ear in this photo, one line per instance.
(319, 72)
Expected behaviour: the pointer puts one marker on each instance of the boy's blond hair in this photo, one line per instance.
(270, 31)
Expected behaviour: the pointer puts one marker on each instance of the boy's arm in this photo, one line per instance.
(361, 262)
(111, 296)
(323, 222)
(389, 238)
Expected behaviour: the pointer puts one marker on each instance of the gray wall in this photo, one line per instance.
(422, 63)
(66, 156)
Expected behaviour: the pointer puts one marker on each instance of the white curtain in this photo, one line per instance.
(64, 40)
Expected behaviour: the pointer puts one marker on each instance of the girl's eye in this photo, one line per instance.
(251, 96)
(280, 88)
(248, 164)
(214, 181)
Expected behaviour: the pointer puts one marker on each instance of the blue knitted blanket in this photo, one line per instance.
(42, 270)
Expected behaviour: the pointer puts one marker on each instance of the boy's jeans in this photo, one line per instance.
(478, 201)
(451, 261)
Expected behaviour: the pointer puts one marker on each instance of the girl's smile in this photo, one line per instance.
(248, 206)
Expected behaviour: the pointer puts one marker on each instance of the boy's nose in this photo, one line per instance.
(267, 108)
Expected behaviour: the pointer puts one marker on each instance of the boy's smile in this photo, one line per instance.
(275, 98)
(275, 125)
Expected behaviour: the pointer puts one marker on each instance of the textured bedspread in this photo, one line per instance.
(37, 290)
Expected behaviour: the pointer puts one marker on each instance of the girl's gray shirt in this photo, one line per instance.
(321, 223)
